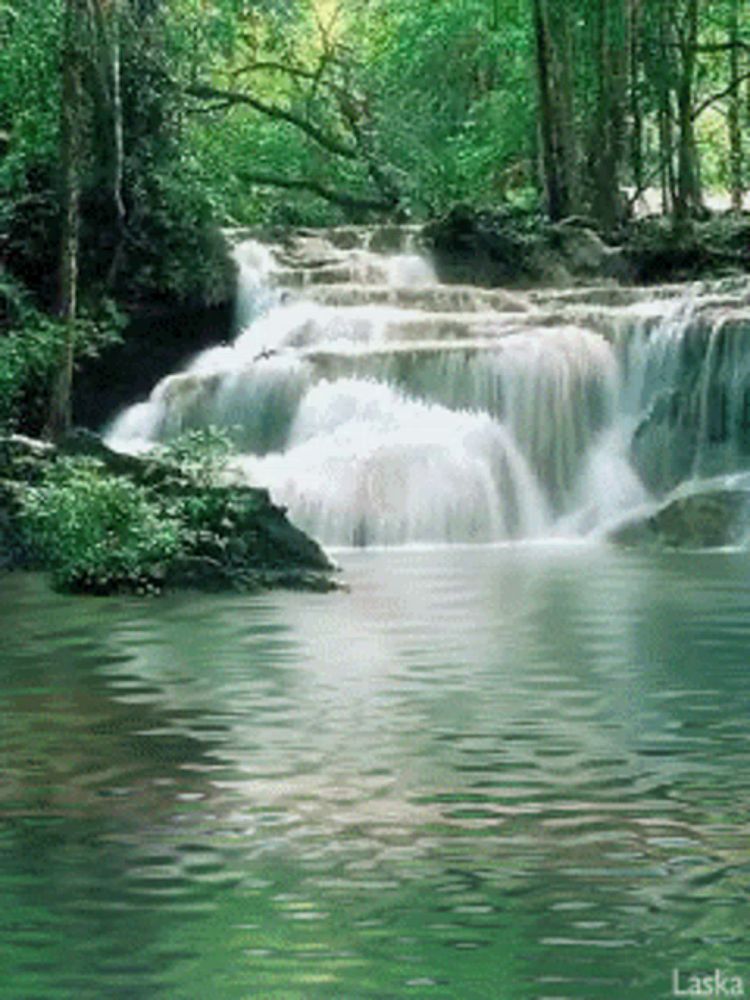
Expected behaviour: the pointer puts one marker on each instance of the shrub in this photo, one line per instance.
(194, 464)
(199, 456)
(98, 532)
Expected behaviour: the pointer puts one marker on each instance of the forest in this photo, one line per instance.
(132, 130)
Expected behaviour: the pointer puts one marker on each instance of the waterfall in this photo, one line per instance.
(382, 407)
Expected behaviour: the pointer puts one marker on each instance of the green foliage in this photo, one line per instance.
(199, 456)
(175, 250)
(31, 345)
(96, 531)
(101, 532)
(446, 98)
(437, 100)
(29, 119)
(463, 132)
(194, 464)
(169, 245)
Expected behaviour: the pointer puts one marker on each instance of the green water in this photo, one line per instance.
(482, 773)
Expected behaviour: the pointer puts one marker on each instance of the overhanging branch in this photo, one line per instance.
(720, 95)
(224, 99)
(341, 198)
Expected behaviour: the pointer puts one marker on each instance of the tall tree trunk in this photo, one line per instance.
(105, 17)
(565, 91)
(111, 40)
(556, 126)
(664, 72)
(634, 84)
(71, 153)
(735, 97)
(607, 148)
(688, 173)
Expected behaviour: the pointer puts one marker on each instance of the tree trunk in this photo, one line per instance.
(636, 109)
(688, 173)
(607, 147)
(556, 127)
(71, 152)
(664, 72)
(734, 113)
(118, 142)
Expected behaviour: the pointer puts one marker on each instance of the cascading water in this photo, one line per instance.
(382, 407)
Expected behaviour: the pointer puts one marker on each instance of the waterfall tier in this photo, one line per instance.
(382, 407)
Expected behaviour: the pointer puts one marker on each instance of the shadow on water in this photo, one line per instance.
(509, 772)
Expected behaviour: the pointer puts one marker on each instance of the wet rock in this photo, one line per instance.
(471, 247)
(159, 339)
(583, 253)
(392, 239)
(659, 251)
(212, 576)
(698, 521)
(493, 249)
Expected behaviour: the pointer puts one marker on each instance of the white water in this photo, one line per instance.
(383, 408)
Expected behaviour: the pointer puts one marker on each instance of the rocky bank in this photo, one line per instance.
(242, 541)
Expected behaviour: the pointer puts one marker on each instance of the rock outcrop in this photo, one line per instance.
(493, 249)
(239, 539)
(701, 520)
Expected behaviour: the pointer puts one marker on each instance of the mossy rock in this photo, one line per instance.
(700, 521)
(658, 251)
(233, 537)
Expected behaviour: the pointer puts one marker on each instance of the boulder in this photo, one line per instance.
(701, 520)
(494, 249)
(584, 254)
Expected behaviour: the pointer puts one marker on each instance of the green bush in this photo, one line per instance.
(98, 532)
(195, 462)
(31, 346)
(198, 456)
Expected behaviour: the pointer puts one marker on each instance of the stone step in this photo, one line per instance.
(432, 298)
(384, 324)
(299, 277)
(376, 239)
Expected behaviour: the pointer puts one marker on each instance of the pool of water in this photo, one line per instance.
(517, 772)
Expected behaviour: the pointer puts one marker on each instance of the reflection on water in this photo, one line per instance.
(485, 772)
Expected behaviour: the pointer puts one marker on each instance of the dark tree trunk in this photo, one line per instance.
(71, 153)
(688, 172)
(556, 119)
(607, 147)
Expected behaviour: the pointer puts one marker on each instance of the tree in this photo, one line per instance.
(689, 198)
(734, 114)
(559, 153)
(607, 141)
(72, 151)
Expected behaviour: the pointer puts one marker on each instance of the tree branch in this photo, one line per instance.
(274, 67)
(726, 92)
(229, 98)
(323, 191)
(724, 46)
